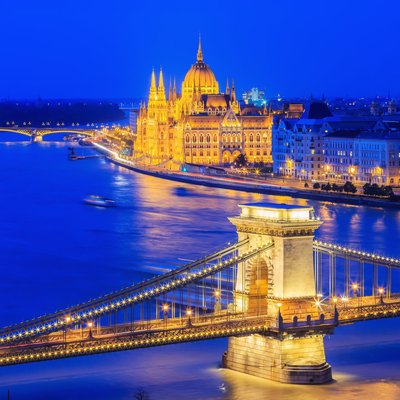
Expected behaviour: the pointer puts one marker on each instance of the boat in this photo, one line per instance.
(74, 157)
(85, 142)
(99, 201)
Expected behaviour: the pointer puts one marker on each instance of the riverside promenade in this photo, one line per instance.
(245, 184)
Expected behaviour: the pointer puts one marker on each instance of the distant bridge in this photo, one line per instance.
(36, 134)
(275, 293)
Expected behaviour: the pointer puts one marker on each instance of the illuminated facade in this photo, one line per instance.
(365, 157)
(200, 125)
(254, 96)
(322, 147)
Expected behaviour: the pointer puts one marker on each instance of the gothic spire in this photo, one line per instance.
(161, 90)
(174, 92)
(199, 51)
(153, 87)
(233, 97)
(170, 95)
(227, 90)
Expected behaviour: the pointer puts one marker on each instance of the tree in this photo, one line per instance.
(388, 191)
(326, 187)
(241, 161)
(367, 188)
(335, 187)
(141, 395)
(316, 185)
(376, 190)
(306, 185)
(349, 187)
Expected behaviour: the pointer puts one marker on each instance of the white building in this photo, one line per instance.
(322, 147)
(297, 144)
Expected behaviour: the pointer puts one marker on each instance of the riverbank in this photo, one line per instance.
(245, 185)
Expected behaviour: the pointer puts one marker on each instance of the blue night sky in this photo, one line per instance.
(106, 49)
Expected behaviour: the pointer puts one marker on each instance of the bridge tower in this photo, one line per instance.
(279, 283)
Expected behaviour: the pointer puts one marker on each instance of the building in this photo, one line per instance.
(322, 147)
(254, 96)
(133, 113)
(363, 157)
(297, 144)
(200, 125)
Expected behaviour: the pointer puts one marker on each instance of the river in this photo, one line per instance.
(55, 251)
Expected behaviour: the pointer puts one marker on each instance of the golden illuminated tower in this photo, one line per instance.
(199, 78)
(200, 125)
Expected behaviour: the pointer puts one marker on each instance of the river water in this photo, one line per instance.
(55, 251)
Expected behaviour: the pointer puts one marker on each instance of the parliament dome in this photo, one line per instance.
(199, 78)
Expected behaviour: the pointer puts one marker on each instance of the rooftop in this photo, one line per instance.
(275, 205)
(316, 110)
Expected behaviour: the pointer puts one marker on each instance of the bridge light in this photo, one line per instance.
(279, 305)
(334, 300)
(188, 312)
(217, 293)
(317, 303)
(67, 320)
(165, 307)
(90, 324)
(381, 290)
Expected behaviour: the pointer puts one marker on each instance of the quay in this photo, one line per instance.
(244, 185)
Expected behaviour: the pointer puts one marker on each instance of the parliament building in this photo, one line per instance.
(200, 125)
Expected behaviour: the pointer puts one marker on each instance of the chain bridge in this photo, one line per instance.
(275, 293)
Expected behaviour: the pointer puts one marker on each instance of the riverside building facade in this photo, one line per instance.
(321, 147)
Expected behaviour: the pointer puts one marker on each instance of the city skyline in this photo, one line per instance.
(94, 50)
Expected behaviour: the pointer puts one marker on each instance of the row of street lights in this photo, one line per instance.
(189, 312)
(344, 299)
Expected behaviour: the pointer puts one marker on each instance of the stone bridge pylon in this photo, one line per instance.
(279, 282)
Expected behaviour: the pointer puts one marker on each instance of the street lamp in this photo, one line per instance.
(345, 301)
(381, 291)
(217, 295)
(90, 326)
(67, 321)
(189, 314)
(355, 289)
(165, 309)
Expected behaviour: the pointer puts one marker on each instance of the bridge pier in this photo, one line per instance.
(280, 284)
(298, 360)
(36, 138)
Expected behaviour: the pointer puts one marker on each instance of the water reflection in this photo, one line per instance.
(59, 252)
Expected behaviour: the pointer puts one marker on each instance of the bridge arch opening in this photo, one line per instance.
(13, 136)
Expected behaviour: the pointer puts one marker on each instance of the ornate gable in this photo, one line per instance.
(230, 119)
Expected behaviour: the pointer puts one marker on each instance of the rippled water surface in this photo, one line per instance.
(55, 251)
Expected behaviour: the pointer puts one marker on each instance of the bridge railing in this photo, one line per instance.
(344, 272)
(145, 292)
